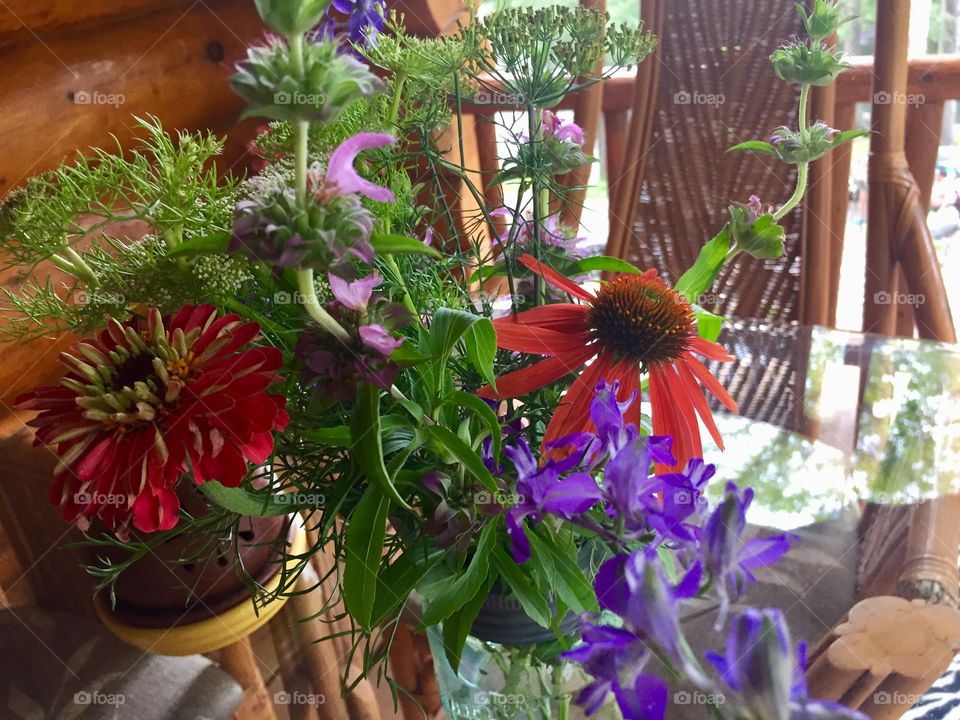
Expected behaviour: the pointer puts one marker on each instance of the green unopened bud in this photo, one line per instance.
(812, 144)
(802, 64)
(755, 232)
(823, 20)
(316, 89)
(291, 17)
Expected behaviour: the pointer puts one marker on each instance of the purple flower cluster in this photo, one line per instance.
(766, 676)
(631, 507)
(364, 20)
(637, 505)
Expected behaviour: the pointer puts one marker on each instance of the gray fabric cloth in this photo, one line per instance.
(55, 666)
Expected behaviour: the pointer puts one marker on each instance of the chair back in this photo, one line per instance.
(713, 89)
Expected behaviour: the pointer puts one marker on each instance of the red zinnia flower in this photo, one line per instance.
(146, 402)
(634, 324)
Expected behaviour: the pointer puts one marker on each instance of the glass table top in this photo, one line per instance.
(829, 417)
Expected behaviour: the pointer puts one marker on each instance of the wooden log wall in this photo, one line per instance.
(73, 75)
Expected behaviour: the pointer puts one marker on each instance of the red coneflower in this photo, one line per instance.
(146, 402)
(634, 324)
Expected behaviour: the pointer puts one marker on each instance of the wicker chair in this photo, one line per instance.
(709, 88)
(672, 189)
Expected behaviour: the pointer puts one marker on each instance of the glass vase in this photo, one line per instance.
(510, 669)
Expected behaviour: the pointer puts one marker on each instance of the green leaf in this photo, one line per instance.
(446, 329)
(339, 435)
(754, 146)
(530, 597)
(365, 535)
(365, 435)
(603, 263)
(709, 324)
(481, 342)
(341, 488)
(397, 581)
(212, 244)
(488, 271)
(761, 237)
(399, 244)
(458, 625)
(486, 413)
(565, 574)
(463, 452)
(669, 561)
(243, 502)
(695, 281)
(407, 355)
(457, 593)
(847, 135)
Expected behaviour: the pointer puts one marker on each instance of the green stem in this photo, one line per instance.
(562, 698)
(315, 310)
(803, 169)
(407, 300)
(390, 261)
(79, 267)
(300, 135)
(459, 109)
(63, 264)
(533, 122)
(172, 237)
(300, 127)
(397, 95)
(804, 102)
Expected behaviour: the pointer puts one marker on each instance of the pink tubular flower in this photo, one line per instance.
(354, 295)
(343, 176)
(553, 125)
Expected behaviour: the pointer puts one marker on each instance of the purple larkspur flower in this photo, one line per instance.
(365, 19)
(615, 658)
(681, 501)
(726, 556)
(634, 587)
(628, 487)
(541, 491)
(760, 666)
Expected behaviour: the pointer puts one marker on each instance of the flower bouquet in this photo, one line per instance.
(441, 391)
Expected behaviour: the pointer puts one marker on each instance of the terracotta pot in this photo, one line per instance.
(160, 591)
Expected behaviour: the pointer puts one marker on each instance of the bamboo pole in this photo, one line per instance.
(897, 235)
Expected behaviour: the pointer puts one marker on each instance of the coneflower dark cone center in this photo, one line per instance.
(640, 318)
